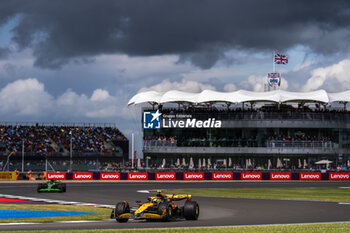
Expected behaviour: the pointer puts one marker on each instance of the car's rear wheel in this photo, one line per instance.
(165, 211)
(191, 210)
(121, 208)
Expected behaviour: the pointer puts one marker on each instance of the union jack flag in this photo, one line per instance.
(273, 75)
(281, 59)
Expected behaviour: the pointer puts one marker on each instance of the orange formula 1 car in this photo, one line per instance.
(159, 207)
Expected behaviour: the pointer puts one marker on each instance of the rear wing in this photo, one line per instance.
(170, 197)
(179, 197)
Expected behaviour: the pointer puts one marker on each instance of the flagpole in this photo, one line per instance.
(273, 62)
(132, 150)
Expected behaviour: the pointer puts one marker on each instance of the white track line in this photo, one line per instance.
(235, 226)
(17, 223)
(56, 201)
(344, 203)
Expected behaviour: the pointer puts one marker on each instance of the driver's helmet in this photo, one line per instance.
(156, 200)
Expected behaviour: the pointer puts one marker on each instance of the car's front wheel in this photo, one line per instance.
(121, 208)
(165, 211)
(41, 186)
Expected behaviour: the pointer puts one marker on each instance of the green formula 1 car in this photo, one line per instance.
(159, 207)
(52, 186)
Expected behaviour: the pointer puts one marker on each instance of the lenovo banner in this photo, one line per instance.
(339, 175)
(222, 176)
(280, 176)
(137, 176)
(251, 176)
(165, 176)
(109, 176)
(193, 175)
(82, 176)
(56, 176)
(309, 176)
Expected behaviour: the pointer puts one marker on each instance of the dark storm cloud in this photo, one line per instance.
(200, 31)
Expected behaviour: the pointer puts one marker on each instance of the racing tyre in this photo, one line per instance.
(41, 186)
(121, 208)
(168, 211)
(191, 210)
(61, 187)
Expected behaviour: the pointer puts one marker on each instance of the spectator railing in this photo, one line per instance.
(261, 115)
(147, 144)
(300, 144)
(159, 143)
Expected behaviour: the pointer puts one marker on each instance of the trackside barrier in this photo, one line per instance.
(8, 176)
(109, 176)
(310, 176)
(56, 176)
(222, 175)
(280, 176)
(197, 176)
(251, 175)
(165, 176)
(339, 176)
(83, 176)
(138, 176)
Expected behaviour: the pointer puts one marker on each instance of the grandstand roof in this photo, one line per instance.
(209, 96)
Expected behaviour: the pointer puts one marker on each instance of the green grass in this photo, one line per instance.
(319, 194)
(101, 213)
(312, 228)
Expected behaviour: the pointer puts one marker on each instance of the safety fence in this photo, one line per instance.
(186, 176)
(199, 176)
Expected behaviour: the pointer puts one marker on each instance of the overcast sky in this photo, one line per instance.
(82, 60)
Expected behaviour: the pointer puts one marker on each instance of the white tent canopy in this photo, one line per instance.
(149, 96)
(323, 162)
(240, 96)
(339, 97)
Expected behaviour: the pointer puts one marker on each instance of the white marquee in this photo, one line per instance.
(209, 96)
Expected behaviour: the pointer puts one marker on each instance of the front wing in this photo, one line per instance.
(148, 216)
(145, 216)
(50, 190)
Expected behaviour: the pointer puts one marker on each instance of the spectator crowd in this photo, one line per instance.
(52, 139)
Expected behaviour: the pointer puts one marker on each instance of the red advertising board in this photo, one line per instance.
(56, 176)
(251, 176)
(165, 176)
(339, 176)
(310, 176)
(82, 176)
(193, 175)
(109, 176)
(222, 176)
(280, 176)
(137, 176)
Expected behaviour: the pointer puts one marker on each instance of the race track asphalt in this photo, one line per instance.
(213, 211)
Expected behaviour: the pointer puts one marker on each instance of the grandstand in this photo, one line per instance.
(246, 130)
(88, 145)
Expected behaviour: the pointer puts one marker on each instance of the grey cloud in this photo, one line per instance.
(4, 52)
(9, 69)
(198, 30)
